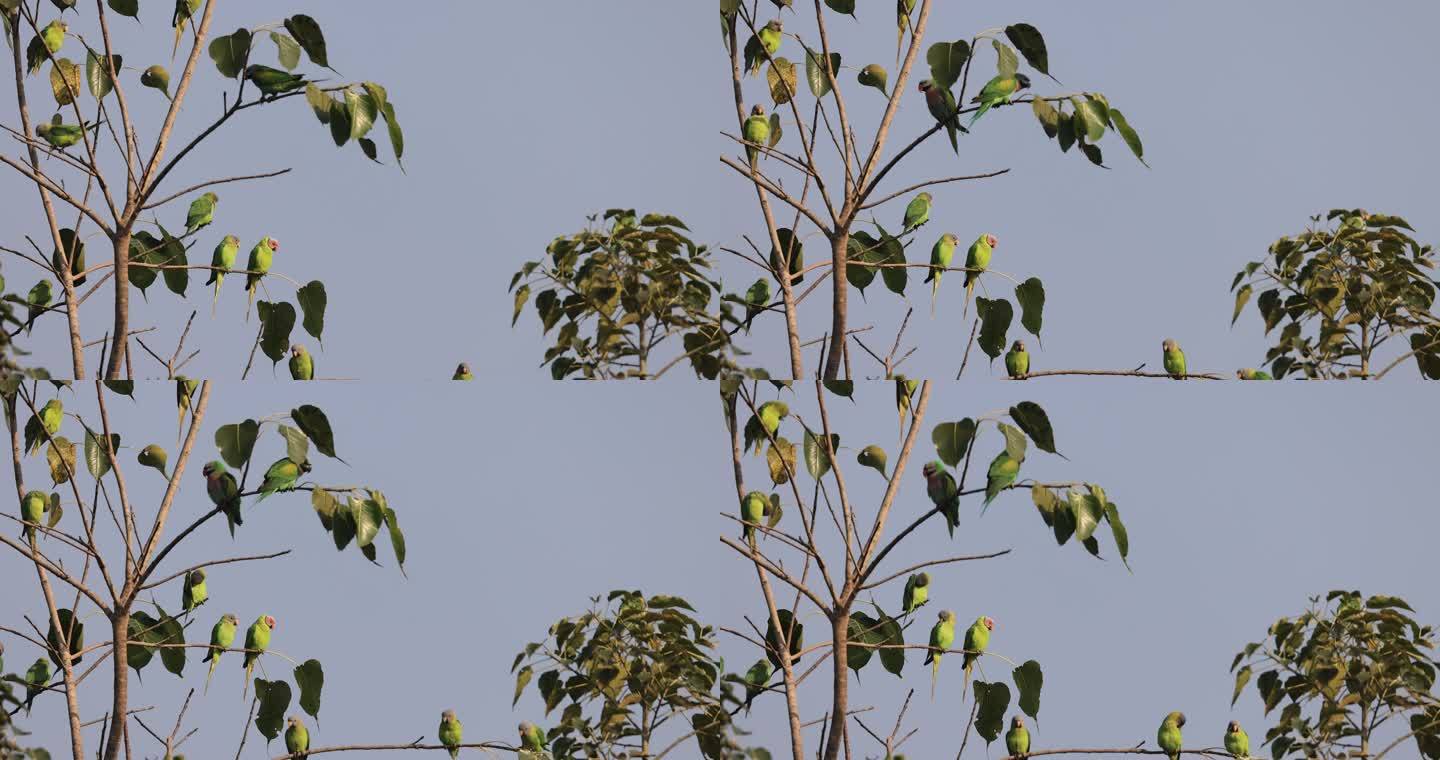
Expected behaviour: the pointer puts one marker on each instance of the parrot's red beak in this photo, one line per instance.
(270, 621)
(990, 623)
(274, 244)
(994, 241)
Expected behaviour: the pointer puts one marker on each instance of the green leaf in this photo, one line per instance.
(60, 455)
(169, 631)
(172, 254)
(1006, 64)
(817, 459)
(846, 7)
(97, 75)
(288, 50)
(1047, 115)
(995, 316)
(793, 249)
(1031, 45)
(862, 630)
(1089, 123)
(312, 305)
(97, 458)
(1241, 678)
(783, 80)
(307, 32)
(841, 388)
(863, 250)
(122, 387)
(274, 699)
(74, 635)
(316, 426)
(392, 126)
(1028, 679)
(952, 440)
(1031, 296)
(129, 8)
(1014, 441)
(1032, 419)
(140, 632)
(994, 699)
(521, 296)
(522, 679)
(319, 102)
(892, 659)
(324, 505)
(363, 111)
(1087, 512)
(297, 445)
(1117, 530)
(277, 321)
(339, 122)
(1065, 132)
(237, 441)
(368, 518)
(777, 130)
(947, 61)
(230, 52)
(1241, 298)
(397, 537)
(1128, 134)
(820, 82)
(896, 277)
(342, 526)
(310, 677)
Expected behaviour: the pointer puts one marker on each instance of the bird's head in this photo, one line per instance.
(923, 579)
(447, 716)
(273, 243)
(252, 70)
(1018, 347)
(951, 239)
(925, 85)
(42, 129)
(927, 197)
(304, 466)
(932, 469)
(231, 240)
(757, 110)
(293, 720)
(1177, 717)
(230, 618)
(297, 350)
(211, 197)
(269, 621)
(991, 240)
(946, 616)
(1233, 728)
(197, 576)
(1241, 374)
(463, 369)
(1170, 345)
(526, 727)
(211, 469)
(988, 622)
(775, 25)
(1022, 80)
(1017, 722)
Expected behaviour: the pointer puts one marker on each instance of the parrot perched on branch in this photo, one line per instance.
(1017, 361)
(917, 592)
(32, 510)
(451, 732)
(998, 90)
(273, 82)
(756, 132)
(224, 492)
(977, 260)
(194, 594)
(1174, 358)
(941, 103)
(942, 636)
(261, 257)
(302, 364)
(940, 257)
(221, 637)
(223, 259)
(1237, 742)
(532, 737)
(1169, 736)
(1017, 739)
(201, 213)
(297, 737)
(977, 638)
(917, 212)
(257, 640)
(940, 487)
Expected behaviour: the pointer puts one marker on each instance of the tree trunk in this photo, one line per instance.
(839, 253)
(120, 335)
(840, 635)
(119, 721)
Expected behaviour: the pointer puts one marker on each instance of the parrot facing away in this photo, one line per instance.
(273, 82)
(1001, 475)
(941, 103)
(184, 9)
(462, 372)
(756, 132)
(977, 260)
(223, 259)
(48, 419)
(282, 476)
(1252, 374)
(940, 257)
(1017, 361)
(1017, 739)
(755, 679)
(1169, 736)
(257, 640)
(221, 637)
(977, 637)
(942, 636)
(756, 299)
(764, 43)
(261, 257)
(302, 364)
(35, 679)
(39, 297)
(450, 732)
(917, 212)
(54, 36)
(195, 593)
(32, 510)
(224, 492)
(1174, 358)
(297, 737)
(202, 212)
(532, 737)
(917, 592)
(998, 90)
(752, 510)
(940, 487)
(184, 390)
(1237, 742)
(903, 8)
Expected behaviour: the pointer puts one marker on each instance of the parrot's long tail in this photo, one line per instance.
(969, 290)
(216, 299)
(934, 290)
(249, 302)
(934, 676)
(245, 690)
(214, 660)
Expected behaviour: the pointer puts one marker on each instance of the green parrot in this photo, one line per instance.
(194, 594)
(941, 103)
(942, 635)
(771, 413)
(223, 259)
(1017, 361)
(224, 492)
(755, 679)
(74, 252)
(977, 637)
(998, 90)
(1169, 736)
(462, 372)
(257, 640)
(297, 738)
(153, 456)
(35, 680)
(903, 9)
(1001, 475)
(752, 510)
(282, 476)
(40, 296)
(756, 299)
(904, 389)
(60, 135)
(54, 35)
(917, 592)
(32, 510)
(261, 256)
(940, 257)
(532, 737)
(1017, 739)
(48, 420)
(1237, 742)
(450, 732)
(940, 487)
(184, 9)
(769, 38)
(273, 82)
(221, 637)
(756, 132)
(917, 212)
(158, 78)
(302, 364)
(1174, 358)
(1253, 374)
(184, 391)
(202, 212)
(977, 260)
